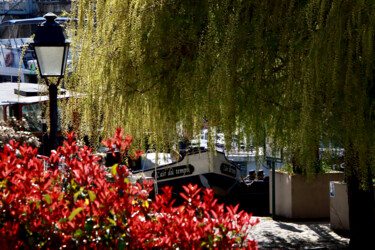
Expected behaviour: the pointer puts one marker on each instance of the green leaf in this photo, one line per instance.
(114, 169)
(63, 220)
(89, 226)
(78, 233)
(92, 195)
(217, 238)
(210, 239)
(73, 184)
(112, 221)
(37, 204)
(75, 196)
(3, 183)
(145, 204)
(74, 213)
(47, 198)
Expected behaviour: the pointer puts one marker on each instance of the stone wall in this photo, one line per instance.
(339, 208)
(299, 197)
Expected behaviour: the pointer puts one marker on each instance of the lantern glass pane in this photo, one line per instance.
(66, 56)
(50, 60)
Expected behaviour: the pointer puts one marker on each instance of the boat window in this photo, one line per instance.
(4, 78)
(31, 78)
(149, 160)
(33, 115)
(14, 78)
(7, 110)
(1, 113)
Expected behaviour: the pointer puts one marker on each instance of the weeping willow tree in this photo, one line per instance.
(133, 60)
(299, 71)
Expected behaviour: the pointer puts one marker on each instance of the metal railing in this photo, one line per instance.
(53, 1)
(16, 7)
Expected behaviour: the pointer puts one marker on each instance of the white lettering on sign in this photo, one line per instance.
(173, 172)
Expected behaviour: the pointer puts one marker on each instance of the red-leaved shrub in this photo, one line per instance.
(69, 201)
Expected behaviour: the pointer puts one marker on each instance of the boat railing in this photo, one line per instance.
(10, 53)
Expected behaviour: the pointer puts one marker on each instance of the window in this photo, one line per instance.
(33, 115)
(4, 78)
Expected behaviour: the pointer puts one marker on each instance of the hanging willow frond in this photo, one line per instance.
(299, 71)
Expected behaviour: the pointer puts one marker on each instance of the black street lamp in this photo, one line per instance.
(51, 49)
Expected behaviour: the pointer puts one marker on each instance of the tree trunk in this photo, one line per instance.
(361, 202)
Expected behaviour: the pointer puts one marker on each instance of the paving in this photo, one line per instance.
(279, 234)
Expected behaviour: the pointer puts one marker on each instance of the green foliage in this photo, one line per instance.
(323, 167)
(299, 71)
(287, 168)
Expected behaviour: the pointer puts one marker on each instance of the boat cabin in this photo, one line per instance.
(25, 101)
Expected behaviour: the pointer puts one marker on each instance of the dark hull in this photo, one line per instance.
(253, 198)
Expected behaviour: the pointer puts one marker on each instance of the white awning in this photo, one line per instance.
(30, 93)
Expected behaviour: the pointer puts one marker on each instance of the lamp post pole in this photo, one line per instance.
(273, 189)
(52, 89)
(51, 49)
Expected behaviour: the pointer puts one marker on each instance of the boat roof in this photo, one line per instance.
(36, 20)
(26, 93)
